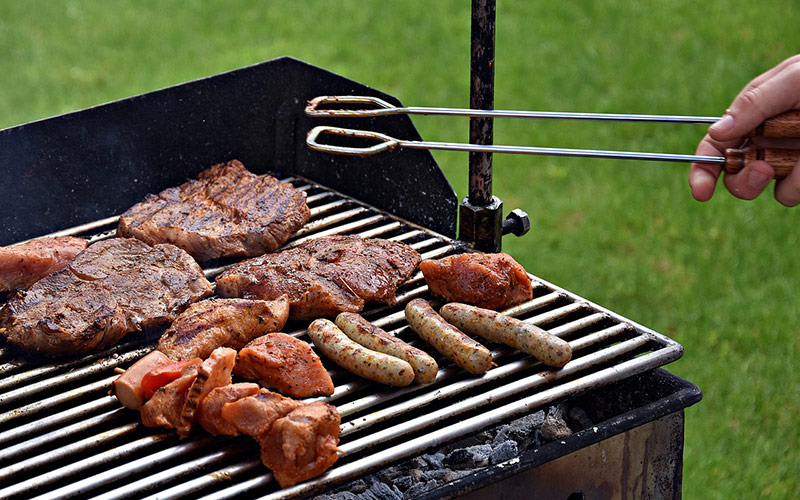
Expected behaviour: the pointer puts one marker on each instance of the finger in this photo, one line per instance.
(750, 181)
(787, 191)
(703, 176)
(755, 82)
(770, 97)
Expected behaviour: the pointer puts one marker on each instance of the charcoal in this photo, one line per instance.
(435, 460)
(554, 426)
(437, 474)
(505, 451)
(358, 486)
(469, 458)
(403, 482)
(520, 430)
(578, 420)
(419, 488)
(381, 491)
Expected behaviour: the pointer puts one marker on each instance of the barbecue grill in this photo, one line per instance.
(62, 435)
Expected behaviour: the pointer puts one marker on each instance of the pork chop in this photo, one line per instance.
(227, 212)
(324, 276)
(492, 281)
(114, 287)
(23, 265)
(286, 364)
(209, 324)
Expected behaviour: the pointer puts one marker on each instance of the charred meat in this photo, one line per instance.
(324, 276)
(113, 287)
(286, 364)
(233, 323)
(23, 265)
(227, 212)
(492, 281)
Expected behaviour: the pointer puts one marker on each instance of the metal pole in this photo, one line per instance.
(481, 97)
(480, 213)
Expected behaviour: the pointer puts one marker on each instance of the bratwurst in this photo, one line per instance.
(447, 339)
(512, 332)
(370, 336)
(358, 359)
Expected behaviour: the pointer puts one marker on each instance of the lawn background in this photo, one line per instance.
(722, 278)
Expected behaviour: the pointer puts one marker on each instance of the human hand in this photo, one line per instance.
(769, 94)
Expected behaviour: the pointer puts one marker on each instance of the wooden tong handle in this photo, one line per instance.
(785, 125)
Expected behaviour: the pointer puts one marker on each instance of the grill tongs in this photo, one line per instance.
(783, 126)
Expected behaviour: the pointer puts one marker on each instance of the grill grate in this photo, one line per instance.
(62, 435)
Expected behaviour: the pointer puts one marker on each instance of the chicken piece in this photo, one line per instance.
(209, 413)
(254, 415)
(165, 408)
(303, 444)
(23, 265)
(492, 281)
(213, 372)
(284, 363)
(207, 325)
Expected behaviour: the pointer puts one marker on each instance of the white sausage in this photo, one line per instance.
(447, 339)
(370, 336)
(358, 359)
(515, 333)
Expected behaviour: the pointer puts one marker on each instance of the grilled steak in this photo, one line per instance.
(23, 265)
(324, 276)
(209, 324)
(112, 288)
(284, 363)
(227, 212)
(492, 281)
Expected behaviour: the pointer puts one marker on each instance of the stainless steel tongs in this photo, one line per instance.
(782, 160)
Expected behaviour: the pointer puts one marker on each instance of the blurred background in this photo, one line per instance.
(722, 278)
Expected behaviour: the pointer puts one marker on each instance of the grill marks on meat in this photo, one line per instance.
(284, 363)
(227, 212)
(213, 372)
(209, 324)
(492, 281)
(113, 287)
(23, 265)
(324, 276)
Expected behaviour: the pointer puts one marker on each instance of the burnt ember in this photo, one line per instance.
(429, 471)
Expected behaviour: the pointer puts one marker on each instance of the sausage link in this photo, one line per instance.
(447, 339)
(356, 358)
(515, 333)
(370, 336)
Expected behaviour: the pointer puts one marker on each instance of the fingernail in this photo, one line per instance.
(722, 125)
(757, 179)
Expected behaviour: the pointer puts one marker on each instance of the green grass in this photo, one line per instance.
(722, 278)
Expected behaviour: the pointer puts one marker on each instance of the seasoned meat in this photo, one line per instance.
(492, 281)
(209, 324)
(209, 413)
(213, 372)
(284, 363)
(113, 287)
(23, 265)
(227, 212)
(164, 409)
(254, 415)
(324, 276)
(303, 444)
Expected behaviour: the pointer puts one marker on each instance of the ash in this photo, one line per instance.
(419, 475)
